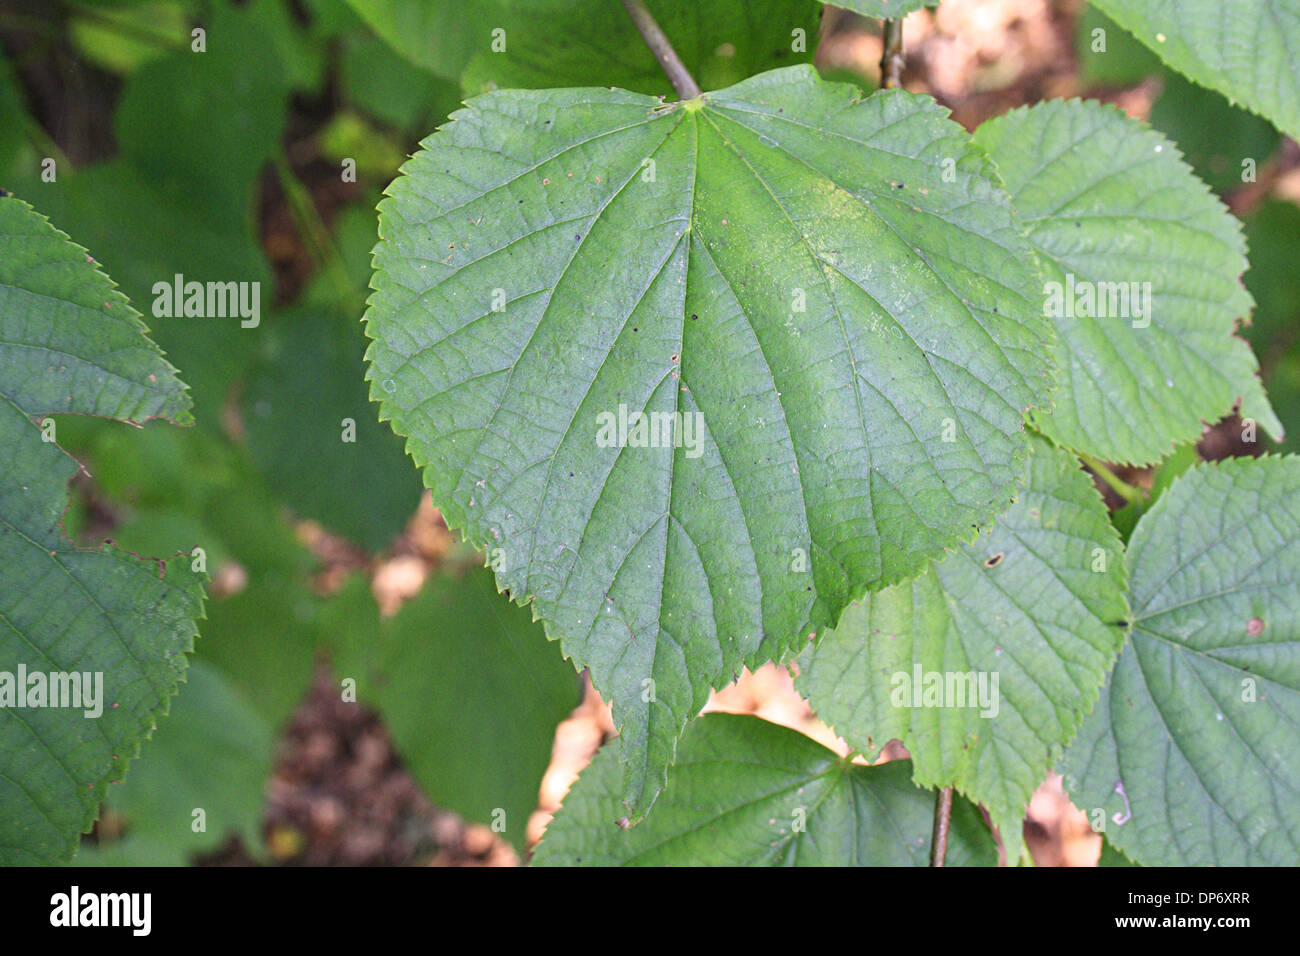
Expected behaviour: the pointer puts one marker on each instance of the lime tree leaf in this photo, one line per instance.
(437, 35)
(1245, 49)
(746, 792)
(212, 754)
(584, 43)
(150, 232)
(208, 121)
(310, 425)
(467, 687)
(1194, 739)
(892, 9)
(813, 289)
(1215, 137)
(985, 666)
(1111, 207)
(1108, 54)
(72, 343)
(315, 435)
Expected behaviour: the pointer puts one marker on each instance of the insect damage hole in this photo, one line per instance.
(994, 560)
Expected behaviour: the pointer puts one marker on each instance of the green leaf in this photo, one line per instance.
(892, 9)
(150, 232)
(1198, 722)
(434, 34)
(316, 437)
(749, 793)
(1110, 206)
(467, 687)
(585, 43)
(1021, 627)
(72, 343)
(541, 43)
(1245, 49)
(208, 122)
(212, 753)
(1121, 59)
(820, 287)
(1214, 136)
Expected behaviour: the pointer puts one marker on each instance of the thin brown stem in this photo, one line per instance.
(942, 821)
(655, 39)
(891, 59)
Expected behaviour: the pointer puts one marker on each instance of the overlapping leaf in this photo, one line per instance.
(554, 43)
(985, 666)
(1142, 267)
(1193, 751)
(469, 689)
(884, 8)
(1245, 49)
(749, 793)
(815, 291)
(72, 343)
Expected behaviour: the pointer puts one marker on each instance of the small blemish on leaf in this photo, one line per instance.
(995, 560)
(1255, 626)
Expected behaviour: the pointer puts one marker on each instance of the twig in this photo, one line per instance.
(1122, 488)
(891, 58)
(681, 78)
(942, 820)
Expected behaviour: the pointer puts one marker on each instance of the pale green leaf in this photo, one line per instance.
(820, 287)
(72, 343)
(985, 666)
(746, 792)
(1245, 49)
(1197, 734)
(1111, 207)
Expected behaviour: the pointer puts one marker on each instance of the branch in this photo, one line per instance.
(891, 59)
(682, 80)
(942, 820)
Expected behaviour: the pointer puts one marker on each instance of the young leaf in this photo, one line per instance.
(468, 689)
(746, 792)
(1143, 269)
(72, 343)
(820, 303)
(985, 666)
(1191, 755)
(1245, 49)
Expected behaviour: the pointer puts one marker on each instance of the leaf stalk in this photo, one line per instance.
(655, 39)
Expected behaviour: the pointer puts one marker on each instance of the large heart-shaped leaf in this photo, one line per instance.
(985, 666)
(750, 793)
(1245, 49)
(1142, 266)
(104, 623)
(820, 304)
(1192, 754)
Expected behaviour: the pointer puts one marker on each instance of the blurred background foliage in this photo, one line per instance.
(228, 165)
